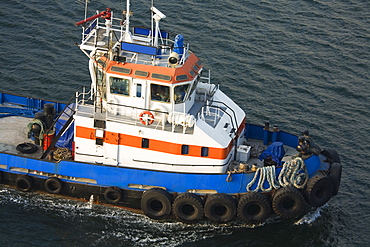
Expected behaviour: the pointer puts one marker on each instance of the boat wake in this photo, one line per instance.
(311, 216)
(104, 224)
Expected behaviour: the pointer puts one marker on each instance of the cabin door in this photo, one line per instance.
(139, 94)
(111, 147)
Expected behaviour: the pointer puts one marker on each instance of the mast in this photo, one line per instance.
(127, 35)
(128, 16)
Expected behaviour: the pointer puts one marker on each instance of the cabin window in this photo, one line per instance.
(161, 77)
(120, 86)
(195, 83)
(185, 149)
(120, 70)
(141, 73)
(204, 152)
(180, 93)
(145, 143)
(99, 141)
(160, 93)
(138, 90)
(181, 78)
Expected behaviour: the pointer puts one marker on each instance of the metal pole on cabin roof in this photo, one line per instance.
(151, 23)
(128, 16)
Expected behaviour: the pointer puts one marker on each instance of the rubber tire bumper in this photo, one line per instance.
(332, 155)
(156, 203)
(53, 185)
(188, 207)
(335, 172)
(253, 208)
(220, 208)
(319, 190)
(288, 202)
(113, 195)
(23, 183)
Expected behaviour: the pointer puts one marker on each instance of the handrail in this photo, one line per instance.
(232, 118)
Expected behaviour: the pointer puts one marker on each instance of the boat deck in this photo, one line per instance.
(13, 131)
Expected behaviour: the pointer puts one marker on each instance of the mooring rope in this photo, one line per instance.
(293, 173)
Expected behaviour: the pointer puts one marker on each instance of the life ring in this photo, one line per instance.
(220, 208)
(112, 195)
(335, 172)
(319, 190)
(156, 203)
(23, 183)
(27, 148)
(188, 207)
(253, 207)
(146, 118)
(53, 185)
(288, 202)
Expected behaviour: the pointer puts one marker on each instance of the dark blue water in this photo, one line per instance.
(300, 64)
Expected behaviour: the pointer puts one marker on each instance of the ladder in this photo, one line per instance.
(67, 111)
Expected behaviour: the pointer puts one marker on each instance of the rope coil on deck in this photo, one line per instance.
(62, 154)
(293, 173)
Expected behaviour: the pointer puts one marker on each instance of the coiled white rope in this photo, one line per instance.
(293, 173)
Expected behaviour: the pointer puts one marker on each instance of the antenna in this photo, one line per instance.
(157, 17)
(128, 16)
(84, 2)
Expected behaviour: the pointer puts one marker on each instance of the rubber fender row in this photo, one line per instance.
(52, 185)
(252, 207)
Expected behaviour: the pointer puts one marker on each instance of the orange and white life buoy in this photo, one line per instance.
(146, 118)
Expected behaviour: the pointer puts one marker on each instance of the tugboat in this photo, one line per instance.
(153, 133)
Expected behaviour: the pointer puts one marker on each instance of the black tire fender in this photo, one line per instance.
(53, 185)
(113, 195)
(220, 208)
(332, 155)
(23, 183)
(156, 203)
(288, 202)
(335, 173)
(188, 207)
(253, 207)
(319, 190)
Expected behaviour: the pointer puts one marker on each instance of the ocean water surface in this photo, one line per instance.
(300, 64)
